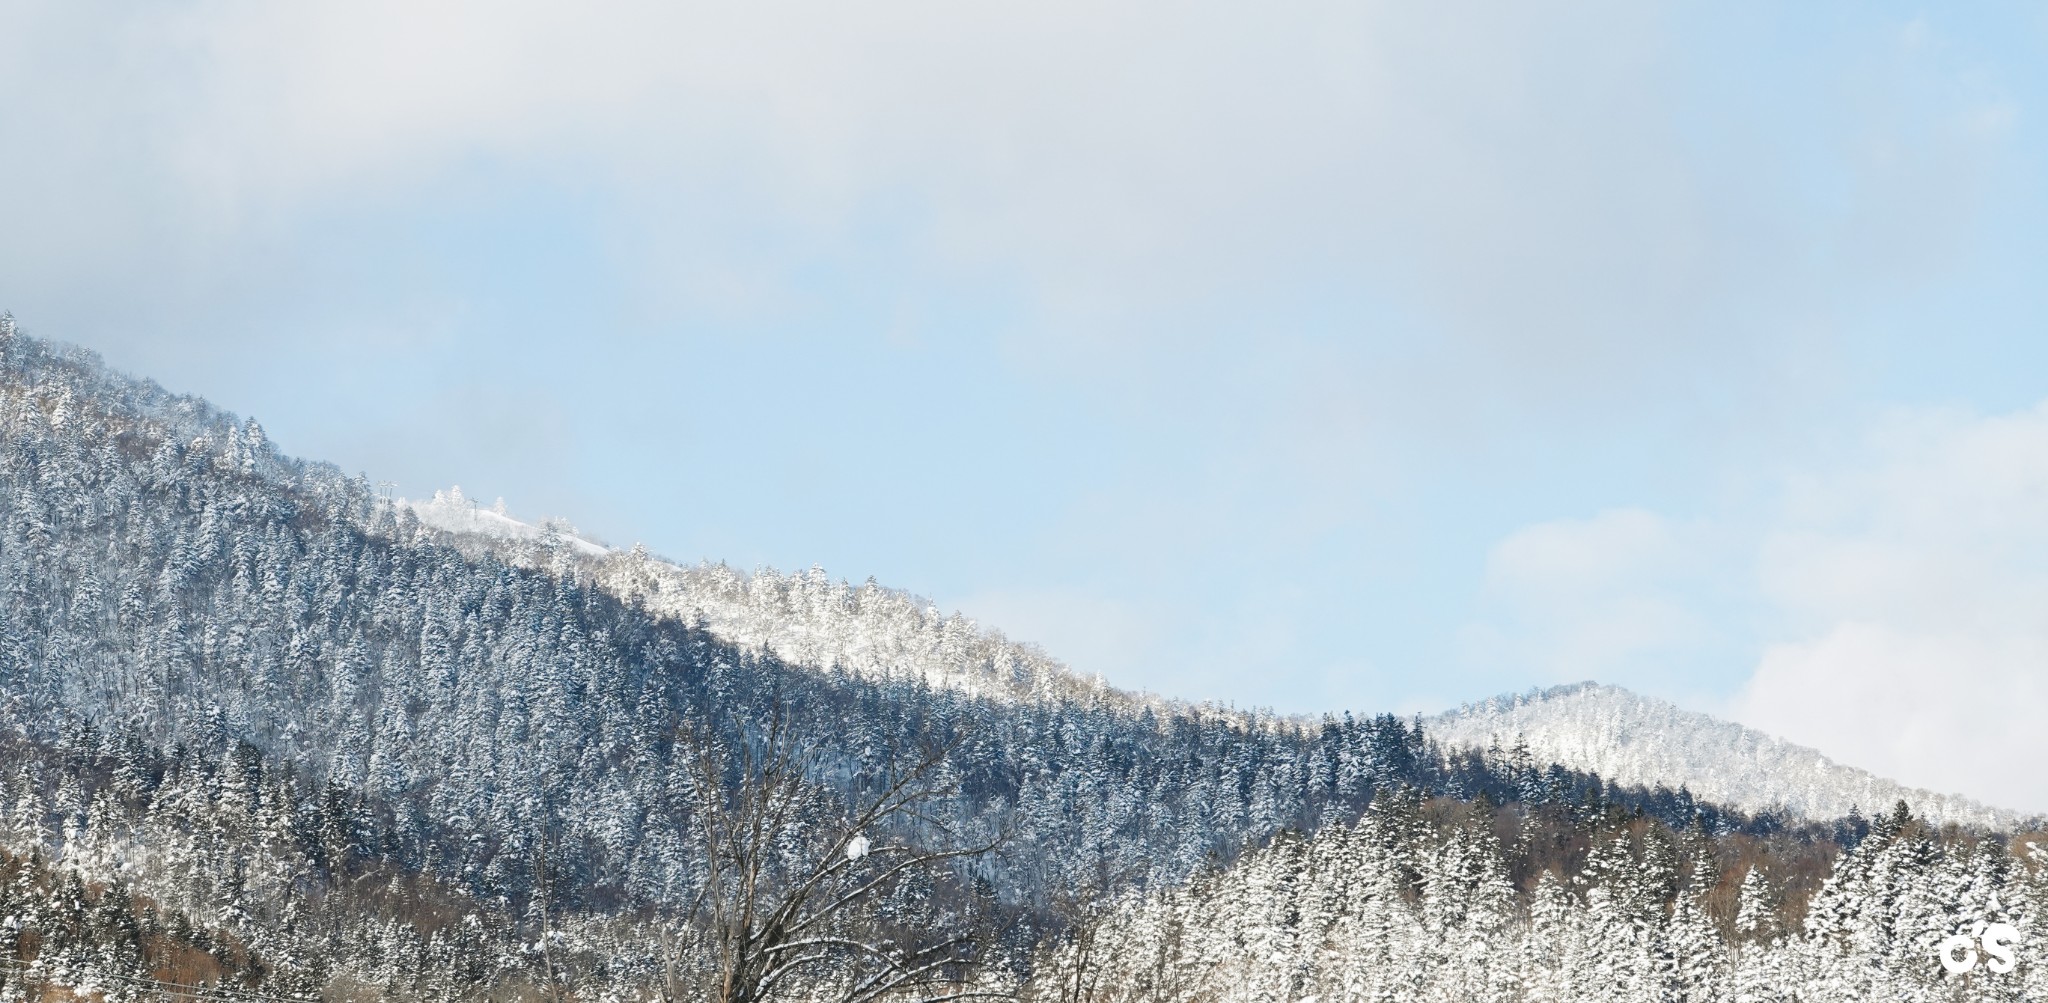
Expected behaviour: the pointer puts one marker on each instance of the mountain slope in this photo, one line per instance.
(360, 750)
(872, 632)
(516, 724)
(1632, 739)
(805, 619)
(168, 572)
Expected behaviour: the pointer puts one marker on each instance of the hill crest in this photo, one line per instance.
(1633, 739)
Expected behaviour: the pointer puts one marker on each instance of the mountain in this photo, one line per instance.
(343, 743)
(264, 731)
(1632, 739)
(803, 619)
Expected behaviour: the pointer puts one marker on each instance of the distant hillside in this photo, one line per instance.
(247, 689)
(882, 634)
(1633, 739)
(278, 730)
(802, 618)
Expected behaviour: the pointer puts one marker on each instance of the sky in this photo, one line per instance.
(1349, 355)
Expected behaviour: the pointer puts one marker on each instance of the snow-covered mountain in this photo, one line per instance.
(453, 512)
(234, 684)
(262, 726)
(1633, 739)
(802, 618)
(808, 619)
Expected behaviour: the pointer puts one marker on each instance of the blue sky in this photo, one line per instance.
(1348, 355)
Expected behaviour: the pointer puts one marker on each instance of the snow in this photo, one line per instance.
(809, 620)
(1637, 740)
(450, 511)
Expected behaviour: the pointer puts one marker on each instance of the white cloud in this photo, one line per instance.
(1581, 555)
(1892, 603)
(1613, 597)
(1913, 581)
(1956, 711)
(1521, 179)
(1328, 236)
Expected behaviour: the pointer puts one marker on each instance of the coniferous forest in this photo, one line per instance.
(268, 735)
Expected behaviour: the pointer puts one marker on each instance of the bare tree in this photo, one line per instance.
(800, 884)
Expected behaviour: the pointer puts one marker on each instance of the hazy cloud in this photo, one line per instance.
(1281, 301)
(1527, 181)
(1888, 601)
(1911, 582)
(1620, 597)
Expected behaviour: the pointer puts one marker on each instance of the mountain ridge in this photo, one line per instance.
(246, 688)
(1600, 728)
(806, 618)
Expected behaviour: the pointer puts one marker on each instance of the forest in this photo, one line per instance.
(269, 735)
